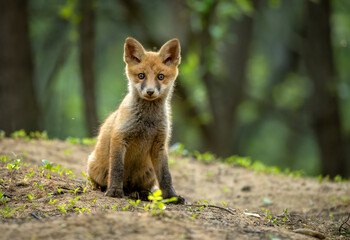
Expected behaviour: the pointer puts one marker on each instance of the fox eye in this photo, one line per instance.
(141, 76)
(160, 76)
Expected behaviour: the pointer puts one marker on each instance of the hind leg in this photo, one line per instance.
(98, 173)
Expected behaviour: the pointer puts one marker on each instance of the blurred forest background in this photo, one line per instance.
(269, 79)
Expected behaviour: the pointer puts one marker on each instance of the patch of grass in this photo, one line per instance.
(178, 149)
(73, 141)
(206, 157)
(19, 134)
(89, 141)
(83, 141)
(31, 135)
(7, 211)
(246, 162)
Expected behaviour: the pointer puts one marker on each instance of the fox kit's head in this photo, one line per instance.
(151, 74)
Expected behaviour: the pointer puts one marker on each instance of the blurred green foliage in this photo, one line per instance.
(266, 130)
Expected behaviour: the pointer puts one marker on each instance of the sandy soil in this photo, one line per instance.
(313, 207)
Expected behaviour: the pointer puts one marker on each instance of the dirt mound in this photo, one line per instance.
(40, 200)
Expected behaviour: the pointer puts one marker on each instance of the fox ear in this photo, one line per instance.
(134, 53)
(170, 52)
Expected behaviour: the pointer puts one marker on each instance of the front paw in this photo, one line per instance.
(180, 200)
(114, 192)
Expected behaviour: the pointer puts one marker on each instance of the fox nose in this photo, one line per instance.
(150, 91)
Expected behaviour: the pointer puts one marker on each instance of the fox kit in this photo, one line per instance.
(131, 153)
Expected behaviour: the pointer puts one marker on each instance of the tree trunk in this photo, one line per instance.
(320, 68)
(87, 46)
(235, 58)
(226, 91)
(18, 105)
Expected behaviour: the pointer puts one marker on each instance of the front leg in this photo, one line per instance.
(116, 171)
(161, 167)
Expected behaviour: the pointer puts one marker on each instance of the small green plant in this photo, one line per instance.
(73, 202)
(19, 134)
(126, 207)
(206, 157)
(89, 141)
(338, 178)
(205, 202)
(323, 178)
(41, 187)
(178, 149)
(7, 211)
(114, 207)
(193, 212)
(47, 165)
(3, 159)
(62, 171)
(57, 168)
(134, 203)
(73, 140)
(145, 207)
(172, 162)
(285, 213)
(70, 174)
(82, 210)
(31, 196)
(62, 208)
(200, 208)
(31, 173)
(75, 191)
(52, 201)
(93, 203)
(268, 215)
(3, 198)
(38, 135)
(13, 166)
(157, 205)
